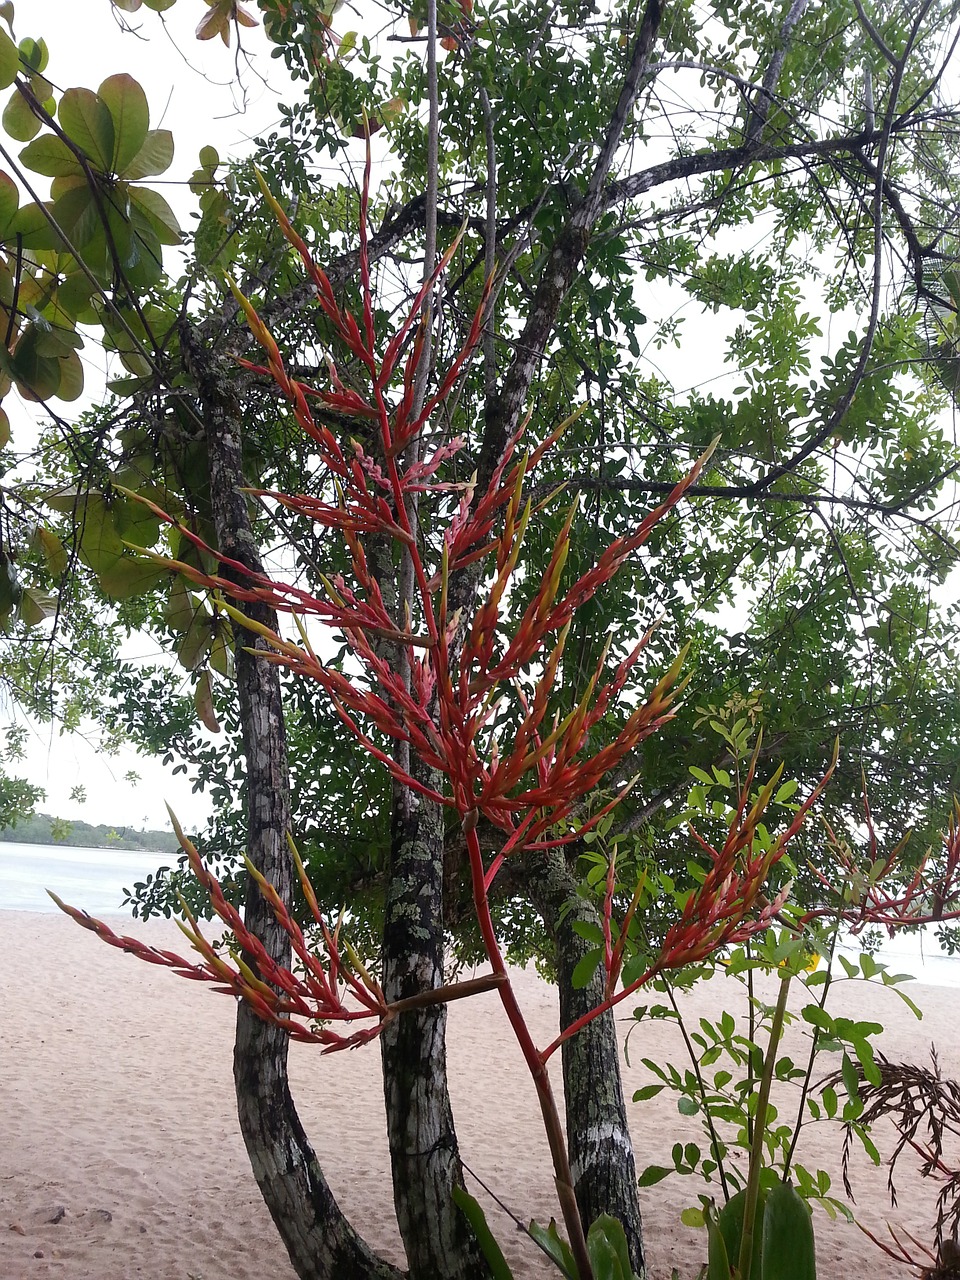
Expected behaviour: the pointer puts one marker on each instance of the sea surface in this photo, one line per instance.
(95, 880)
(92, 879)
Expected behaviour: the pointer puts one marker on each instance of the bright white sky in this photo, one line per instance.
(192, 89)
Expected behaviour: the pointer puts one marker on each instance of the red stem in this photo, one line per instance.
(534, 1060)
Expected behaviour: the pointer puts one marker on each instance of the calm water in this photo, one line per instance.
(93, 879)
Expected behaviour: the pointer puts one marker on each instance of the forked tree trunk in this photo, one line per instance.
(320, 1241)
(601, 1150)
(423, 1142)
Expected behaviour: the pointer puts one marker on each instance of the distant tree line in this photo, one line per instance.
(41, 828)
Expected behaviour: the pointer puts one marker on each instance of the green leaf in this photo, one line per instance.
(50, 156)
(788, 1243)
(585, 968)
(718, 1261)
(155, 156)
(473, 1213)
(54, 552)
(34, 54)
(4, 429)
(9, 60)
(556, 1248)
(86, 120)
(688, 1106)
(648, 1091)
(127, 105)
(32, 228)
(730, 1221)
(157, 212)
(37, 376)
(18, 121)
(71, 377)
(653, 1174)
(77, 215)
(608, 1249)
(195, 643)
(36, 605)
(128, 577)
(851, 1081)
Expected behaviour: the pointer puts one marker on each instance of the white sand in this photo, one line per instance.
(120, 1153)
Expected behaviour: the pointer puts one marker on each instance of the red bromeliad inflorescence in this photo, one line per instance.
(448, 693)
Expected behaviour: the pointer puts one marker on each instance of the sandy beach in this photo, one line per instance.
(121, 1157)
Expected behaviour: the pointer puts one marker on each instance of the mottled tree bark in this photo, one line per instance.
(601, 1151)
(423, 1142)
(320, 1241)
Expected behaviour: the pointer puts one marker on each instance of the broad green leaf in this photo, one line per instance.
(608, 1249)
(209, 157)
(50, 156)
(195, 643)
(19, 122)
(788, 1245)
(4, 429)
(128, 577)
(99, 542)
(718, 1264)
(158, 213)
(74, 294)
(9, 60)
(135, 522)
(158, 6)
(648, 1091)
(35, 605)
(221, 651)
(653, 1174)
(34, 53)
(37, 376)
(77, 215)
(71, 377)
(155, 156)
(54, 552)
(181, 606)
(730, 1222)
(127, 104)
(86, 120)
(56, 340)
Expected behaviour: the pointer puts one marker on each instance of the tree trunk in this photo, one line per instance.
(423, 1142)
(320, 1241)
(601, 1151)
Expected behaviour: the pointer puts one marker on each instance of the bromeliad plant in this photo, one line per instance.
(466, 699)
